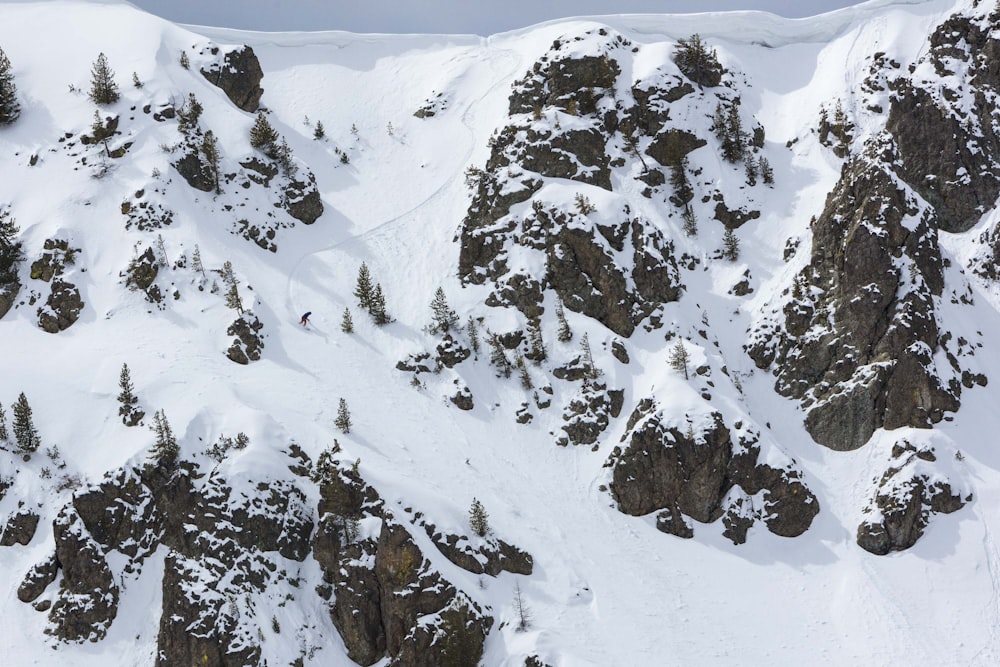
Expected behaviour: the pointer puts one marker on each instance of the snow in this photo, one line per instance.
(608, 589)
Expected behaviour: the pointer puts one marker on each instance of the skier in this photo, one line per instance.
(305, 318)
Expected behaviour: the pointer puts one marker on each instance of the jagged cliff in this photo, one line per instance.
(576, 292)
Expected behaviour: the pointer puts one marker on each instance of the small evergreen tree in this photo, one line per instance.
(25, 433)
(523, 374)
(443, 316)
(343, 420)
(683, 192)
(136, 81)
(564, 334)
(100, 132)
(734, 141)
(679, 358)
(583, 204)
(730, 245)
(498, 356)
(189, 114)
(10, 108)
(346, 323)
(262, 135)
(10, 248)
(479, 520)
(184, 60)
(690, 222)
(378, 311)
(210, 151)
(196, 264)
(536, 351)
(283, 156)
(103, 89)
(591, 372)
(473, 332)
(128, 410)
(4, 435)
(521, 609)
(363, 289)
(319, 131)
(751, 170)
(766, 172)
(233, 299)
(165, 450)
(697, 63)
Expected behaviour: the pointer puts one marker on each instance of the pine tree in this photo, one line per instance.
(319, 131)
(10, 248)
(100, 132)
(343, 420)
(103, 89)
(210, 151)
(683, 192)
(136, 81)
(498, 357)
(690, 222)
(473, 332)
(363, 289)
(378, 311)
(734, 142)
(523, 374)
(4, 435)
(165, 450)
(283, 156)
(10, 108)
(679, 358)
(730, 245)
(262, 135)
(698, 63)
(233, 299)
(766, 173)
(751, 170)
(564, 334)
(189, 114)
(479, 520)
(128, 411)
(346, 323)
(444, 317)
(521, 609)
(590, 371)
(536, 351)
(25, 433)
(196, 264)
(184, 60)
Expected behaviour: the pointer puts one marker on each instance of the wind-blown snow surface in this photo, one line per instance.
(608, 589)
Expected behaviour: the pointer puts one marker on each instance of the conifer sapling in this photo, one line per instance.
(343, 420)
(10, 108)
(479, 520)
(679, 358)
(103, 89)
(25, 433)
(346, 323)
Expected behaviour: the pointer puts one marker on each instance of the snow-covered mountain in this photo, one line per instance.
(671, 341)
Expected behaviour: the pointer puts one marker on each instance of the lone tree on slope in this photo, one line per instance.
(479, 520)
(10, 108)
(679, 358)
(444, 317)
(103, 89)
(343, 420)
(25, 433)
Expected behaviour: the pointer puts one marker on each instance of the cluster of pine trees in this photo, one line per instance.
(370, 297)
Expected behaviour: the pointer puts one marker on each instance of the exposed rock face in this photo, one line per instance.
(239, 77)
(388, 598)
(221, 545)
(63, 305)
(579, 251)
(704, 475)
(248, 342)
(194, 171)
(20, 528)
(302, 201)
(588, 414)
(874, 274)
(909, 492)
(947, 149)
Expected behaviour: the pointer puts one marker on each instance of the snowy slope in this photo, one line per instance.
(607, 589)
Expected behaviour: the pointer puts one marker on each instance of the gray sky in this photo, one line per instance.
(441, 16)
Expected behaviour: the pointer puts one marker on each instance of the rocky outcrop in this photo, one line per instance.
(856, 339)
(388, 599)
(248, 342)
(20, 528)
(302, 201)
(239, 76)
(588, 413)
(909, 492)
(703, 475)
